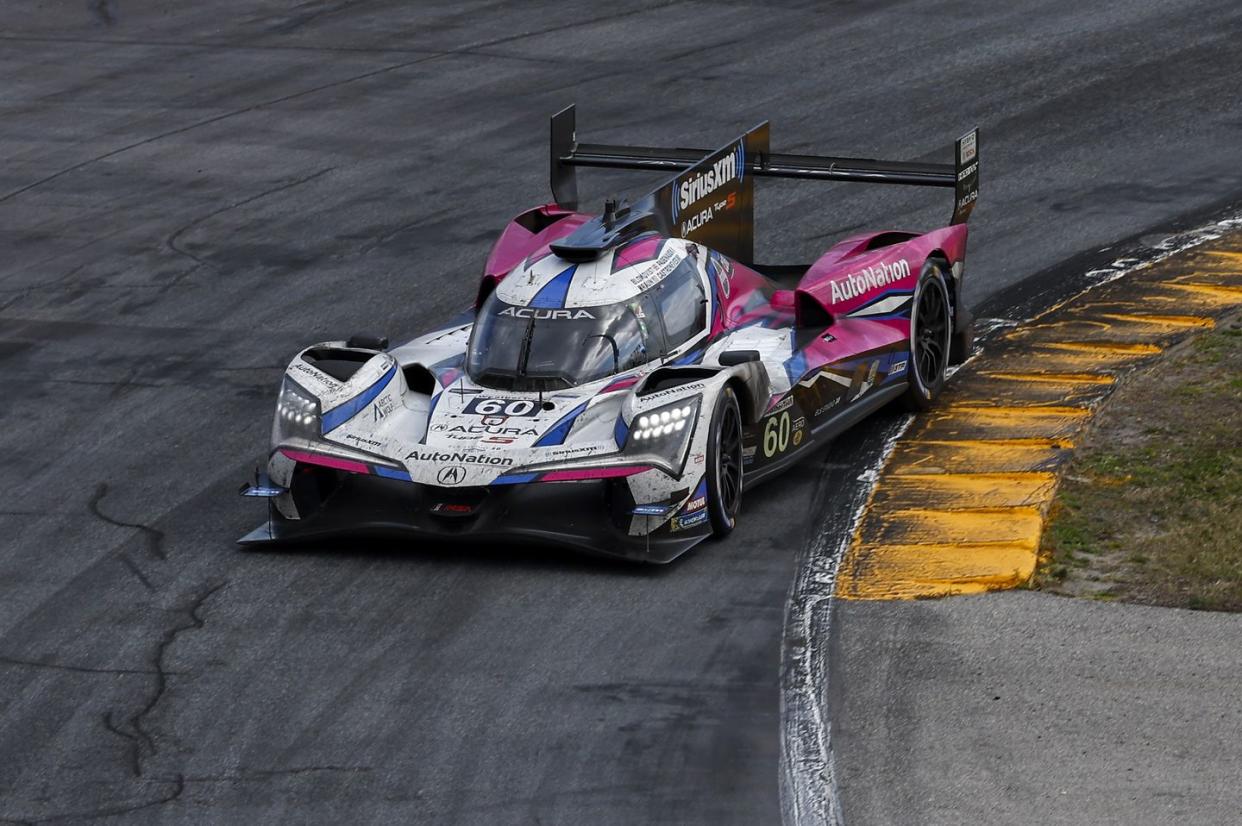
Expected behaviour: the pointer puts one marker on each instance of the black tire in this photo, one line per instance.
(963, 343)
(724, 464)
(931, 332)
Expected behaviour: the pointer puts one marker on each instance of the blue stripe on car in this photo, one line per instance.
(340, 414)
(620, 432)
(515, 478)
(693, 357)
(551, 296)
(556, 435)
(392, 473)
(796, 366)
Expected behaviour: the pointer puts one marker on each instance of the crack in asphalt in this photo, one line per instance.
(172, 240)
(259, 775)
(78, 669)
(154, 536)
(177, 781)
(141, 740)
(133, 568)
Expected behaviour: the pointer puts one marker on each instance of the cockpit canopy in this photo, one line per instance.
(527, 348)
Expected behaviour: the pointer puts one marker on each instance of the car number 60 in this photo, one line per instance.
(502, 407)
(776, 435)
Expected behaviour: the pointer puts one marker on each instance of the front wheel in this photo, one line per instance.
(724, 463)
(931, 329)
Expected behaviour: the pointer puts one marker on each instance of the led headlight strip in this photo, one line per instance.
(662, 422)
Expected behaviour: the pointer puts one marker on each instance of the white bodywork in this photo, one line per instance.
(427, 433)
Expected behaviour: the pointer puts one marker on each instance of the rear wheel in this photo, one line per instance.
(931, 330)
(724, 463)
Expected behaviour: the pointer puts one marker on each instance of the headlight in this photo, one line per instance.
(664, 432)
(297, 414)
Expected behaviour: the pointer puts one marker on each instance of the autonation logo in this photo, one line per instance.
(872, 278)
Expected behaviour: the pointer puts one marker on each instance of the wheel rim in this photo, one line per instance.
(931, 334)
(729, 462)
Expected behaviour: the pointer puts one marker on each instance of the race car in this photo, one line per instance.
(623, 378)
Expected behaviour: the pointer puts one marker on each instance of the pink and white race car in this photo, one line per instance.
(622, 378)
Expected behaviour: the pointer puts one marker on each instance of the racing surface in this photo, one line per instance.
(190, 192)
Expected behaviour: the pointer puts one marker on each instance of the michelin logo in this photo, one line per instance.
(872, 278)
(688, 521)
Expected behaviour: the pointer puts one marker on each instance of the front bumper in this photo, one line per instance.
(590, 516)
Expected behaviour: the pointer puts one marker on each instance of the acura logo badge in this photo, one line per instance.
(451, 475)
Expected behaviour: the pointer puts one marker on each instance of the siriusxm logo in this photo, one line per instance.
(858, 283)
(702, 184)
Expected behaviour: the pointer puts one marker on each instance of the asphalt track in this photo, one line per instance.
(188, 192)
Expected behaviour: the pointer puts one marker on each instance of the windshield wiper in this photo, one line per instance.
(524, 349)
(616, 352)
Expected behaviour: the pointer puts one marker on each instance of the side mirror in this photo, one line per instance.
(732, 358)
(368, 342)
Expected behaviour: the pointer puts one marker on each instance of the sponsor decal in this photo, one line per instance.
(457, 457)
(363, 440)
(704, 183)
(828, 406)
(969, 146)
(697, 221)
(452, 509)
(696, 504)
(872, 278)
(898, 367)
(700, 458)
(657, 272)
(481, 406)
(967, 171)
(709, 213)
(967, 199)
(540, 314)
(382, 407)
(650, 510)
(799, 427)
(681, 389)
(561, 452)
(485, 430)
(783, 404)
(451, 475)
(682, 523)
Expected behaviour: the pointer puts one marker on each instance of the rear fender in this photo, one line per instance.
(525, 235)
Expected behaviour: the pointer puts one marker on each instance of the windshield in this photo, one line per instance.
(536, 349)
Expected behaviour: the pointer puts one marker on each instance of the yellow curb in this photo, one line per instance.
(960, 504)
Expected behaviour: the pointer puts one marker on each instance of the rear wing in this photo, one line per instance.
(704, 179)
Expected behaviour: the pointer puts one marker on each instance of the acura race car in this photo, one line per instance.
(624, 377)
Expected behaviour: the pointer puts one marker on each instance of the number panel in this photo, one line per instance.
(502, 407)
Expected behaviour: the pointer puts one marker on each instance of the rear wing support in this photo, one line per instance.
(567, 153)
